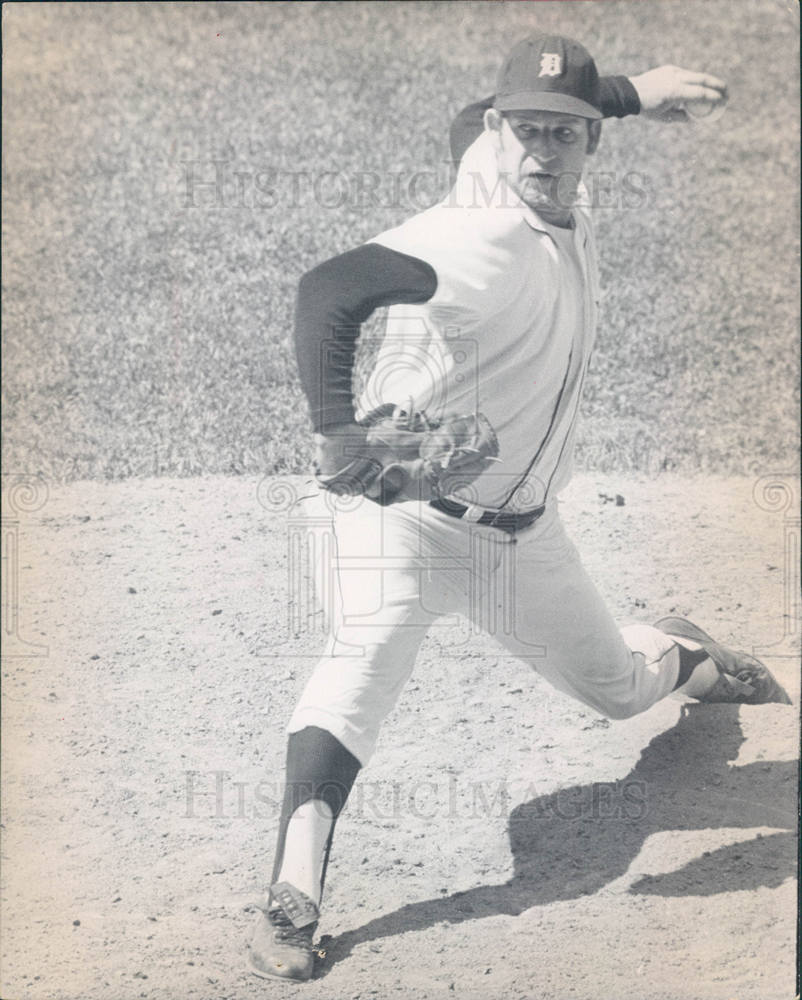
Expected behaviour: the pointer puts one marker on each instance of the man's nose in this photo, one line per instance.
(543, 148)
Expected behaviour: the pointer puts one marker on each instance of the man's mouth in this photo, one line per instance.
(544, 182)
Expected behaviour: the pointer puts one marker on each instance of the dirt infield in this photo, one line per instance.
(504, 842)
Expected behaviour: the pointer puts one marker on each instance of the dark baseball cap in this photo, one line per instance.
(549, 73)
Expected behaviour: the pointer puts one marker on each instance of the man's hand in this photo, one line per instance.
(345, 463)
(338, 447)
(664, 92)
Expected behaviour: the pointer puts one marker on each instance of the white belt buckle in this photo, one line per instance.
(472, 512)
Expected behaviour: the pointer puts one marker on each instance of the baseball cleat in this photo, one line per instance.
(280, 948)
(742, 678)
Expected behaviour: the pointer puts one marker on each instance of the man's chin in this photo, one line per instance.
(546, 208)
(544, 202)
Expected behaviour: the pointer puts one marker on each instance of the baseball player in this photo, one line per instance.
(438, 485)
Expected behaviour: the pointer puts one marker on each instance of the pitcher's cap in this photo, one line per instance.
(549, 73)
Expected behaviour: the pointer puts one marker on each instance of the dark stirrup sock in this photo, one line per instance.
(318, 767)
(689, 659)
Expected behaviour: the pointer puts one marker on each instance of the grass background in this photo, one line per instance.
(147, 322)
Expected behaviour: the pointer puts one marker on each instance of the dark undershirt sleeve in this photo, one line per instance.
(618, 98)
(334, 299)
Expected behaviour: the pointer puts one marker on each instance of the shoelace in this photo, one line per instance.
(755, 675)
(287, 933)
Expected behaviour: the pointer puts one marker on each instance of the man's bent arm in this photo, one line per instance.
(334, 299)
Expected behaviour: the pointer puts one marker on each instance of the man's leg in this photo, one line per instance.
(320, 773)
(618, 672)
(379, 614)
(563, 629)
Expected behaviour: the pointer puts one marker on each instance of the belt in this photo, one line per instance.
(505, 520)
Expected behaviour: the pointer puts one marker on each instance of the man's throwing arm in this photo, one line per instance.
(660, 94)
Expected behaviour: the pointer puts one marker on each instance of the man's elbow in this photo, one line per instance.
(309, 285)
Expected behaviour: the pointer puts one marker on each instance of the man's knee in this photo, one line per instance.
(618, 709)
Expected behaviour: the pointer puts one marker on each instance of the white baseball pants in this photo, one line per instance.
(385, 574)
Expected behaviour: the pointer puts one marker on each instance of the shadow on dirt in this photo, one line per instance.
(575, 841)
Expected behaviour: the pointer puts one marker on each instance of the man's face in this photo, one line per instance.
(541, 155)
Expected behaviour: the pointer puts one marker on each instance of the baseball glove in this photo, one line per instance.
(407, 456)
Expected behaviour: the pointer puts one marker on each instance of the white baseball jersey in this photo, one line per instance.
(508, 332)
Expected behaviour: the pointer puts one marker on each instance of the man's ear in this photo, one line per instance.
(493, 121)
(594, 134)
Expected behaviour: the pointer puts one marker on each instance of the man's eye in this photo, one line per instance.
(527, 131)
(566, 135)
